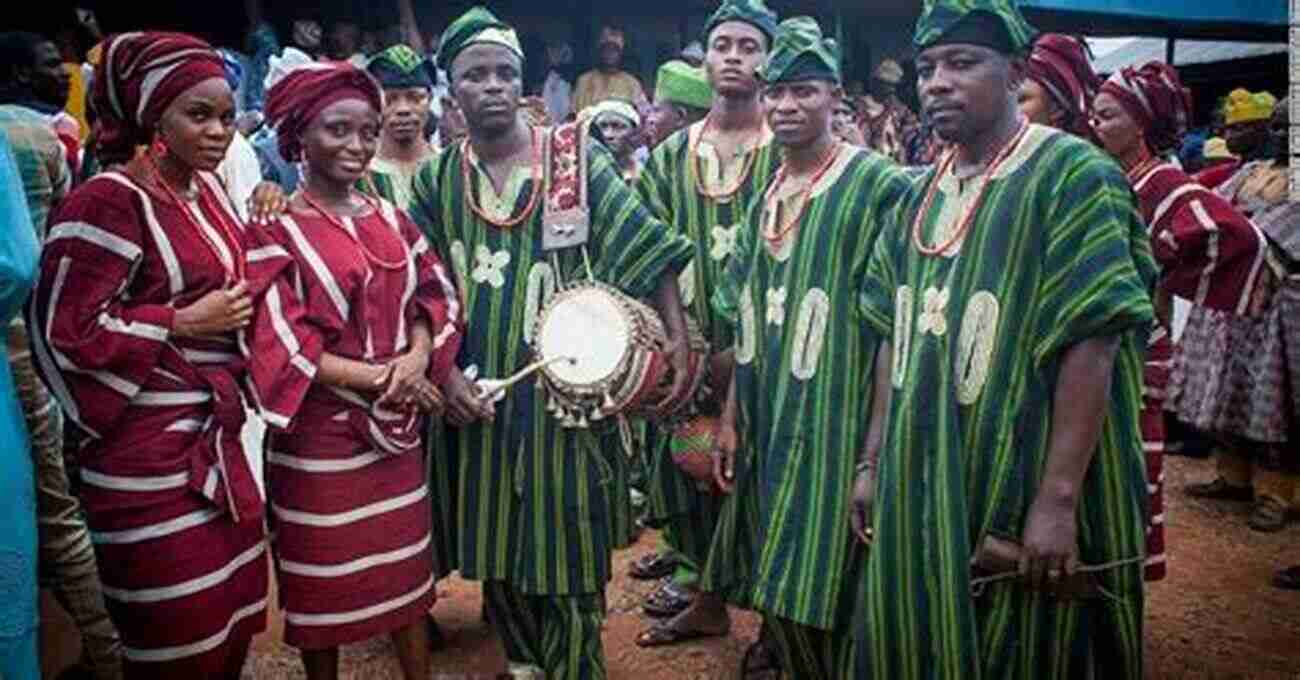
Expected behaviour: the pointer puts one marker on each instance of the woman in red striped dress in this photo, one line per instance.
(350, 503)
(154, 308)
(1209, 254)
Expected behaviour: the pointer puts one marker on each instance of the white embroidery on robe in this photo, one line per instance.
(810, 333)
(933, 317)
(724, 242)
(776, 306)
(975, 341)
(904, 299)
(490, 266)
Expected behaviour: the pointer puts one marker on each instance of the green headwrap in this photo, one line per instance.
(800, 52)
(752, 12)
(475, 27)
(615, 107)
(400, 67)
(997, 24)
(680, 83)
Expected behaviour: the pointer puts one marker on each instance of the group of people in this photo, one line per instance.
(942, 385)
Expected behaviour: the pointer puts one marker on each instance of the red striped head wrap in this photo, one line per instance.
(1060, 64)
(1156, 99)
(301, 95)
(138, 76)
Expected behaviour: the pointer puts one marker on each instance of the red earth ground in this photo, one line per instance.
(1215, 618)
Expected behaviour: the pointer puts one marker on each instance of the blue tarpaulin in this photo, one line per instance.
(1205, 19)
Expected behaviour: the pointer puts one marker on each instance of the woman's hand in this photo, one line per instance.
(216, 313)
(403, 383)
(267, 203)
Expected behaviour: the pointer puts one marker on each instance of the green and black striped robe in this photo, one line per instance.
(670, 188)
(1057, 254)
(532, 499)
(390, 180)
(803, 369)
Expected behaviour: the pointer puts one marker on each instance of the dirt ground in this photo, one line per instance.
(1215, 618)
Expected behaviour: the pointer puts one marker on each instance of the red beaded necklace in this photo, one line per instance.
(969, 218)
(338, 224)
(776, 235)
(236, 269)
(534, 191)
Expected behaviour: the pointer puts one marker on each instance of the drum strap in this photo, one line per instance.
(566, 215)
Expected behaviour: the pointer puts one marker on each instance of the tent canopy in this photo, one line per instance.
(1252, 20)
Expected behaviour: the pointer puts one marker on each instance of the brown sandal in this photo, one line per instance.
(664, 634)
(1269, 516)
(656, 565)
(668, 601)
(1220, 490)
(1287, 579)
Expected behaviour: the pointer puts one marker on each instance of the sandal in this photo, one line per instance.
(656, 565)
(664, 634)
(668, 601)
(1287, 579)
(1269, 516)
(1220, 490)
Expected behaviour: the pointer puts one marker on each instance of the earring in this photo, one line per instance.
(159, 146)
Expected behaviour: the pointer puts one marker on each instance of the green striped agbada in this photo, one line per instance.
(1056, 254)
(533, 500)
(670, 184)
(803, 368)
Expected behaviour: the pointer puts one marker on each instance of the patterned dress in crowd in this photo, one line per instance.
(1055, 254)
(803, 366)
(171, 496)
(535, 501)
(1210, 255)
(670, 185)
(1232, 376)
(349, 503)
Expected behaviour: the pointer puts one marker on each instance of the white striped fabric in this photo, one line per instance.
(152, 531)
(191, 586)
(357, 565)
(355, 615)
(207, 644)
(354, 515)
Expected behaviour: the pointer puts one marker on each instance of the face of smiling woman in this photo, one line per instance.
(341, 141)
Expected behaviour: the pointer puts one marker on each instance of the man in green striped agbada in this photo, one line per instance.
(701, 181)
(1003, 486)
(533, 517)
(799, 392)
(407, 79)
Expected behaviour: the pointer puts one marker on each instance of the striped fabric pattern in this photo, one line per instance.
(552, 637)
(1208, 254)
(390, 180)
(669, 186)
(354, 553)
(1056, 254)
(173, 511)
(533, 499)
(42, 160)
(803, 366)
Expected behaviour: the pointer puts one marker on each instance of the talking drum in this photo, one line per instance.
(616, 365)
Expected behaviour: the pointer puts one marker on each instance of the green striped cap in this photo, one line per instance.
(801, 52)
(940, 17)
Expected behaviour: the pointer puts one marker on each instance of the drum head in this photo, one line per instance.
(589, 327)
